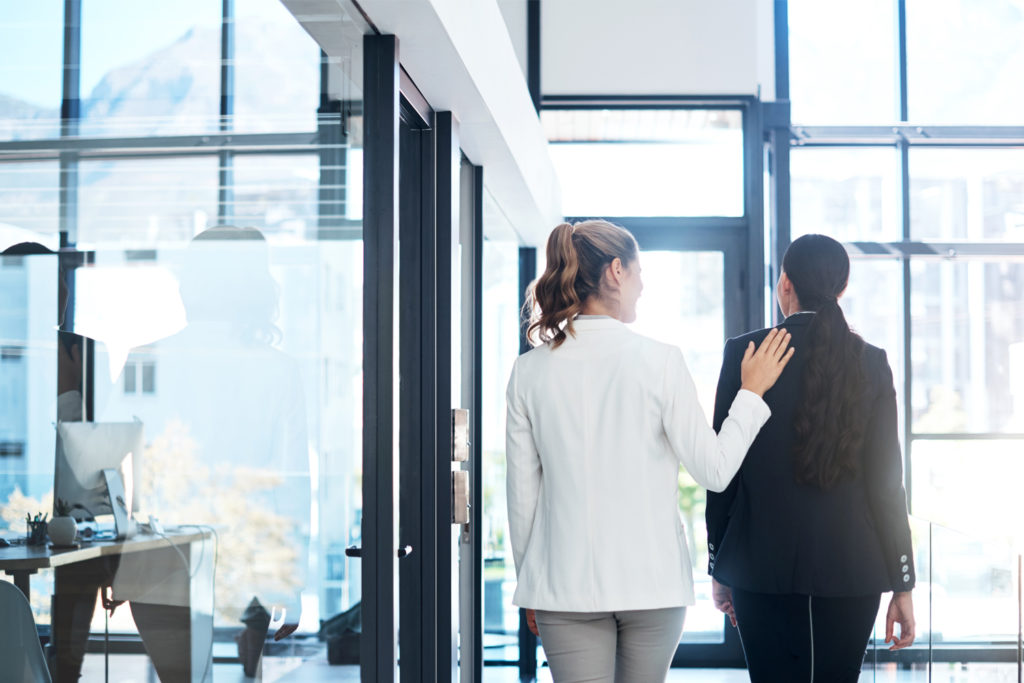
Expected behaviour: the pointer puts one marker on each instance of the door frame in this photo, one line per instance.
(729, 237)
(411, 230)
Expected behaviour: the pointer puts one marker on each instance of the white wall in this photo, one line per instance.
(461, 56)
(514, 14)
(656, 47)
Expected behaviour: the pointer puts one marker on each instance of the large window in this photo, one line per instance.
(211, 286)
(648, 162)
(925, 189)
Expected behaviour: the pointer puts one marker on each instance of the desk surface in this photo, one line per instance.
(32, 558)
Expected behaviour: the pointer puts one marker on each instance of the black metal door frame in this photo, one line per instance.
(411, 205)
(380, 237)
(728, 236)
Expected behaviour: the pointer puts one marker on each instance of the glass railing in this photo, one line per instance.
(967, 608)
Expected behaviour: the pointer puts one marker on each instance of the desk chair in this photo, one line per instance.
(20, 651)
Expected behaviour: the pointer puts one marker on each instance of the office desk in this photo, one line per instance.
(172, 605)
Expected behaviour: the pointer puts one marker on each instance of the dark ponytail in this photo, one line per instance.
(830, 417)
(576, 258)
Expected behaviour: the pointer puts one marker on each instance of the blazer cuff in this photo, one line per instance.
(753, 404)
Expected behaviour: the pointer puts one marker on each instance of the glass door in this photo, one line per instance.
(694, 298)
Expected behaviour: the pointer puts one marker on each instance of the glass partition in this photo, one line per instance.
(967, 601)
(213, 294)
(669, 162)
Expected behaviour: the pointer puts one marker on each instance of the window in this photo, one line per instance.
(159, 76)
(842, 62)
(139, 377)
(277, 70)
(667, 162)
(964, 59)
(967, 194)
(12, 449)
(29, 203)
(220, 345)
(936, 282)
(31, 50)
(142, 202)
(851, 194)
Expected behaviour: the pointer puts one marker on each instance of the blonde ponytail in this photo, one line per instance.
(576, 258)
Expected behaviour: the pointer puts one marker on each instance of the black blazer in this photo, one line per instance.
(769, 534)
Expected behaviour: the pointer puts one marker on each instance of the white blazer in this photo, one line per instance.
(596, 431)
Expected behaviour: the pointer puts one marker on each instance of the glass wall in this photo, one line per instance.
(500, 347)
(209, 292)
(648, 162)
(934, 219)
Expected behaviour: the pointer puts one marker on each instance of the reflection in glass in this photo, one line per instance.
(29, 206)
(500, 347)
(278, 193)
(967, 344)
(848, 194)
(967, 194)
(150, 68)
(843, 62)
(964, 61)
(277, 70)
(28, 400)
(669, 162)
(140, 203)
(31, 51)
(683, 304)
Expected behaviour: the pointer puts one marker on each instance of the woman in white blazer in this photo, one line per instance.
(599, 420)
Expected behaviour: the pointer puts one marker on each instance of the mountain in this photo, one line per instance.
(176, 89)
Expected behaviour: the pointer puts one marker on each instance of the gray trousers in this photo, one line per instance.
(611, 647)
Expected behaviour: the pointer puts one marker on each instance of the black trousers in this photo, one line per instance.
(801, 638)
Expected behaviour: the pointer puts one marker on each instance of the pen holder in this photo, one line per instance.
(36, 533)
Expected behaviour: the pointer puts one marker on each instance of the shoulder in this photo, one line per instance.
(876, 366)
(738, 344)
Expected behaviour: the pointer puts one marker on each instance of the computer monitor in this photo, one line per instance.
(84, 451)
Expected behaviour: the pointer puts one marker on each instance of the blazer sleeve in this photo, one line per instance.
(523, 471)
(712, 459)
(716, 512)
(886, 495)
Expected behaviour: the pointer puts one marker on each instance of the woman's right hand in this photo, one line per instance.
(761, 368)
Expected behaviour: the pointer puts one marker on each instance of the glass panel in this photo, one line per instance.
(965, 608)
(237, 349)
(873, 305)
(144, 202)
(963, 194)
(150, 68)
(29, 205)
(501, 347)
(278, 193)
(672, 162)
(964, 60)
(696, 323)
(974, 584)
(967, 345)
(948, 488)
(277, 70)
(849, 194)
(31, 63)
(843, 62)
(28, 403)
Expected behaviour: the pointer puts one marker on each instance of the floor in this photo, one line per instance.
(136, 669)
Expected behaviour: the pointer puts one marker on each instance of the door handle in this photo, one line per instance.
(356, 551)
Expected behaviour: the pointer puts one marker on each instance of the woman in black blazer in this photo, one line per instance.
(813, 528)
